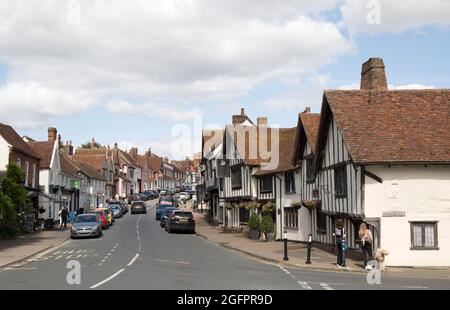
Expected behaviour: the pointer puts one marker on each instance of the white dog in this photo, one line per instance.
(380, 256)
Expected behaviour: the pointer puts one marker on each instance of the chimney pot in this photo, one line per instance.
(307, 110)
(242, 111)
(261, 121)
(373, 75)
(52, 134)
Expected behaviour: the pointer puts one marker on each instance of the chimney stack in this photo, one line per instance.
(133, 152)
(307, 110)
(238, 119)
(69, 148)
(52, 134)
(149, 152)
(166, 160)
(373, 76)
(261, 121)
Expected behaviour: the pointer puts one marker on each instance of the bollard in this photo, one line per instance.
(285, 258)
(308, 255)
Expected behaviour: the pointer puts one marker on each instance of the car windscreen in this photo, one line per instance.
(138, 204)
(86, 219)
(167, 211)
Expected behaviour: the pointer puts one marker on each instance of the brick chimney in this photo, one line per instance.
(52, 134)
(238, 119)
(149, 152)
(133, 152)
(261, 121)
(307, 110)
(69, 148)
(373, 76)
(166, 160)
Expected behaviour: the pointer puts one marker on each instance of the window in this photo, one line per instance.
(321, 220)
(424, 236)
(18, 162)
(289, 182)
(290, 218)
(340, 181)
(33, 180)
(236, 178)
(131, 173)
(27, 173)
(266, 184)
(221, 184)
(244, 215)
(310, 169)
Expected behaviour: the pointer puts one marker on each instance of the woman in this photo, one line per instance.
(366, 240)
(339, 234)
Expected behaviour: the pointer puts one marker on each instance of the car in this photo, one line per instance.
(165, 198)
(148, 195)
(86, 225)
(161, 207)
(181, 221)
(167, 213)
(138, 207)
(109, 215)
(116, 210)
(185, 196)
(164, 192)
(103, 219)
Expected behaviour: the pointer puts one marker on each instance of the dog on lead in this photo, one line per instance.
(380, 257)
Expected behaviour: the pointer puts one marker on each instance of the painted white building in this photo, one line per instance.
(383, 158)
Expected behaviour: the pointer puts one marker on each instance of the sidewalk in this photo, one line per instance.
(321, 260)
(16, 250)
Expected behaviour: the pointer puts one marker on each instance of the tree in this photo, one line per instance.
(13, 200)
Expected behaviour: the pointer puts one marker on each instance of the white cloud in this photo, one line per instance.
(395, 16)
(28, 105)
(178, 51)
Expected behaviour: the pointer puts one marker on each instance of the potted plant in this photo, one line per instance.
(268, 228)
(269, 207)
(253, 225)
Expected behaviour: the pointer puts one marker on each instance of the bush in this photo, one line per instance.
(253, 222)
(267, 225)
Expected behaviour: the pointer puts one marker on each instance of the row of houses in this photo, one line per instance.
(58, 176)
(372, 155)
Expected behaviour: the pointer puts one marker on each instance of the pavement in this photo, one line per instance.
(297, 253)
(136, 253)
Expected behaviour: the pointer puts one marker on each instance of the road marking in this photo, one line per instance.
(133, 260)
(326, 286)
(303, 284)
(108, 279)
(418, 287)
(58, 257)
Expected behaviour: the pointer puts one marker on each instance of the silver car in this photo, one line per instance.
(86, 225)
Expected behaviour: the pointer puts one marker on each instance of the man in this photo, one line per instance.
(64, 214)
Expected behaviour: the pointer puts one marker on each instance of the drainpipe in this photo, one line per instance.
(281, 206)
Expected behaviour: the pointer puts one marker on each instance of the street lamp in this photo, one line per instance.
(285, 258)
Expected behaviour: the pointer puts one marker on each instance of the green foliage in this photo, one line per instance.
(13, 199)
(253, 222)
(269, 207)
(251, 205)
(296, 204)
(267, 225)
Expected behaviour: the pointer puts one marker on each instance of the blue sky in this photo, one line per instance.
(128, 72)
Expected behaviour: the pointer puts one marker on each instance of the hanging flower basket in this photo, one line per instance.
(229, 206)
(310, 204)
(269, 207)
(296, 205)
(252, 205)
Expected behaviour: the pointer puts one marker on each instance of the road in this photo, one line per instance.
(137, 254)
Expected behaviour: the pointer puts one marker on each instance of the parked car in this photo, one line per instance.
(138, 207)
(165, 198)
(148, 195)
(109, 215)
(161, 207)
(181, 221)
(116, 210)
(164, 192)
(86, 225)
(124, 207)
(103, 219)
(167, 213)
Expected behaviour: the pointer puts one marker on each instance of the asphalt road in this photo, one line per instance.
(136, 253)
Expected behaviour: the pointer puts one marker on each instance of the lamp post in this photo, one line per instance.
(285, 258)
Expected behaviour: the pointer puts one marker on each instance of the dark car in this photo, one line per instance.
(167, 213)
(161, 207)
(163, 198)
(138, 207)
(148, 195)
(86, 225)
(181, 221)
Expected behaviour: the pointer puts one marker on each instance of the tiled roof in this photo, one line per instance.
(307, 131)
(89, 170)
(11, 136)
(44, 150)
(142, 161)
(67, 166)
(211, 138)
(285, 149)
(400, 126)
(96, 161)
(155, 163)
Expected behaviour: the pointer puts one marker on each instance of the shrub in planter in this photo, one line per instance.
(268, 227)
(253, 225)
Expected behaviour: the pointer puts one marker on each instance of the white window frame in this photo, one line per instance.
(27, 171)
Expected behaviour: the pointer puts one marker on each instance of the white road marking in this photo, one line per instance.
(108, 279)
(418, 287)
(133, 260)
(303, 284)
(58, 257)
(19, 268)
(326, 286)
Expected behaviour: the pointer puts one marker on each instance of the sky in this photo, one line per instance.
(152, 74)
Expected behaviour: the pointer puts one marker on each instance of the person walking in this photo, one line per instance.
(340, 236)
(366, 240)
(64, 214)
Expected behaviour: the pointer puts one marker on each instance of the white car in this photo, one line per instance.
(185, 196)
